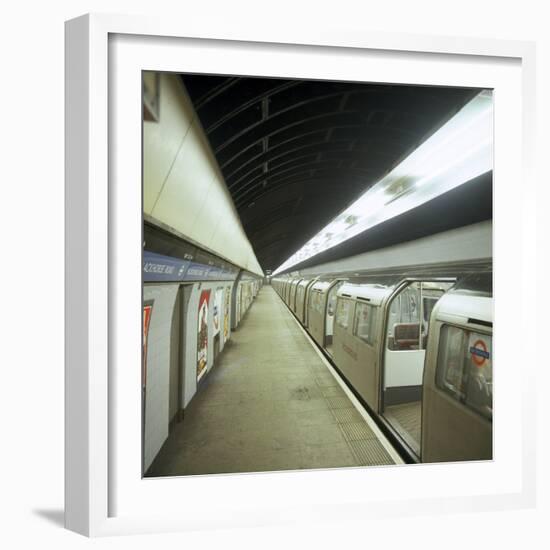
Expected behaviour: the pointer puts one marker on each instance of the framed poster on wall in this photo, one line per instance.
(202, 334)
(226, 314)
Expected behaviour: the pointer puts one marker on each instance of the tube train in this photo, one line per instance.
(415, 345)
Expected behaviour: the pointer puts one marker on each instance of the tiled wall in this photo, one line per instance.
(158, 367)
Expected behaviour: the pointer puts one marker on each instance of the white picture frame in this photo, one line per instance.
(105, 53)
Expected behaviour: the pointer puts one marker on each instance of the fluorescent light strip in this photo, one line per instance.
(459, 151)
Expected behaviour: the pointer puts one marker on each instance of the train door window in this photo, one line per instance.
(365, 321)
(464, 368)
(403, 323)
(329, 318)
(342, 312)
(331, 302)
(409, 315)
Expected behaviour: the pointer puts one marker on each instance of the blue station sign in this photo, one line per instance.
(160, 268)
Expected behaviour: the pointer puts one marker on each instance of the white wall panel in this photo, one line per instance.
(163, 141)
(183, 186)
(187, 187)
(212, 213)
(158, 367)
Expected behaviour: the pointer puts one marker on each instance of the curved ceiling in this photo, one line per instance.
(295, 153)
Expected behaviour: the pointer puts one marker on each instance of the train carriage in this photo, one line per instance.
(391, 335)
(458, 375)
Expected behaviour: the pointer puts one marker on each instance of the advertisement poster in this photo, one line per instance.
(202, 341)
(218, 301)
(147, 311)
(226, 316)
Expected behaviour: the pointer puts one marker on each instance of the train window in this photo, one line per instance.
(342, 312)
(331, 303)
(464, 368)
(429, 303)
(332, 298)
(450, 361)
(409, 314)
(365, 321)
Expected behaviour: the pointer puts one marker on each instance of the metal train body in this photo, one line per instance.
(414, 344)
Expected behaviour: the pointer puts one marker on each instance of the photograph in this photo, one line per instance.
(280, 247)
(317, 285)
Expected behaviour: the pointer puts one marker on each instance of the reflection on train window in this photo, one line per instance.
(464, 368)
(332, 298)
(342, 312)
(403, 322)
(331, 302)
(365, 321)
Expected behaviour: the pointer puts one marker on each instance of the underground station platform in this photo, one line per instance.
(272, 403)
(317, 275)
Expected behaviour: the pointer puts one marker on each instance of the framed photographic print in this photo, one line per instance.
(282, 253)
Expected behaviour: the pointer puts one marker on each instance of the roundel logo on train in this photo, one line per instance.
(479, 352)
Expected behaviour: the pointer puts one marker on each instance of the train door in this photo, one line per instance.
(300, 299)
(329, 315)
(363, 373)
(407, 323)
(293, 294)
(307, 303)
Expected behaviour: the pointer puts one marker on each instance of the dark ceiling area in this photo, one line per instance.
(295, 153)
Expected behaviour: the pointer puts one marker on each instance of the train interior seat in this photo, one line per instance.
(405, 336)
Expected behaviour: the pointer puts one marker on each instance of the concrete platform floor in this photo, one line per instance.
(270, 404)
